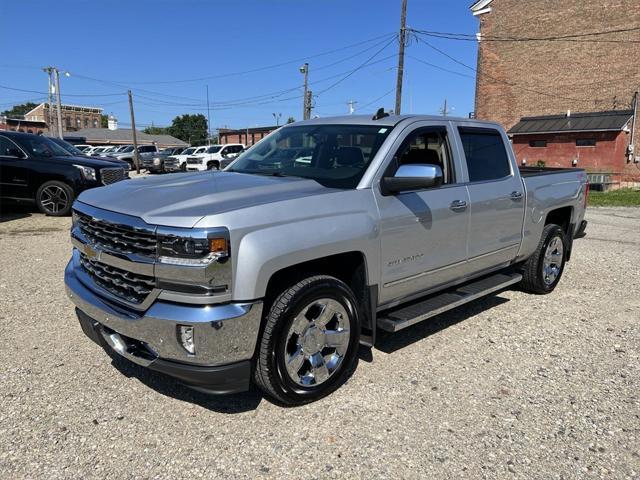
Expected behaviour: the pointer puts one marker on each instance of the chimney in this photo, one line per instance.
(112, 122)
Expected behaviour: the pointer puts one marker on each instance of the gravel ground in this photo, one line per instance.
(513, 386)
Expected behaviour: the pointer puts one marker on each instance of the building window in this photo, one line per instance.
(67, 122)
(586, 142)
(537, 143)
(86, 123)
(95, 124)
(78, 123)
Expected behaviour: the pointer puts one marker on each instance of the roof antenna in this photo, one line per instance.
(380, 114)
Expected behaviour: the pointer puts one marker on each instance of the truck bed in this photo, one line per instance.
(534, 171)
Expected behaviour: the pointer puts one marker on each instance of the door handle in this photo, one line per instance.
(458, 205)
(515, 195)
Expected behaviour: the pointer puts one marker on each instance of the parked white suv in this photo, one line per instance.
(212, 157)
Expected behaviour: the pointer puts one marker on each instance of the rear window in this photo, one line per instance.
(485, 154)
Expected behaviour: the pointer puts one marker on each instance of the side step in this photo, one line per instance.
(405, 316)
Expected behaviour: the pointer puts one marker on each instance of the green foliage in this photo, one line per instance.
(623, 197)
(190, 128)
(104, 121)
(18, 111)
(291, 120)
(156, 130)
(540, 163)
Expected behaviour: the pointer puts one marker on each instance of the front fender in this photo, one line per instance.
(264, 252)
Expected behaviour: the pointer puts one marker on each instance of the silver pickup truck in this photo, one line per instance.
(274, 270)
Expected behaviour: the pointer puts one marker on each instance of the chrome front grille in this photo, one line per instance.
(116, 237)
(194, 161)
(132, 287)
(112, 175)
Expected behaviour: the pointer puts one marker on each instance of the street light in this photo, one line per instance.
(277, 117)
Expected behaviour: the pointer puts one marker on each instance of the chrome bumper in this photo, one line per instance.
(223, 334)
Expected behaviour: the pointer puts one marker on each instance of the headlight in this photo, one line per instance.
(87, 173)
(179, 250)
(156, 161)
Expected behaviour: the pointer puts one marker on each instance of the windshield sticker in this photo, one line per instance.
(382, 130)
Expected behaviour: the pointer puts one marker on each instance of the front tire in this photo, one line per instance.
(54, 198)
(542, 271)
(309, 345)
(213, 166)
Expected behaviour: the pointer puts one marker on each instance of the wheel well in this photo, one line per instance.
(343, 266)
(561, 216)
(213, 162)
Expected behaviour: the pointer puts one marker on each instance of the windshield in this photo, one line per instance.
(213, 149)
(188, 151)
(335, 156)
(127, 149)
(42, 146)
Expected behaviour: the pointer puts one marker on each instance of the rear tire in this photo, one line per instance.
(309, 344)
(55, 198)
(543, 270)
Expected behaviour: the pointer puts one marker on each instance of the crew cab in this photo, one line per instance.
(128, 155)
(175, 163)
(34, 168)
(213, 156)
(327, 231)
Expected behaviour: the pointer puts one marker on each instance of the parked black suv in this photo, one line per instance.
(34, 168)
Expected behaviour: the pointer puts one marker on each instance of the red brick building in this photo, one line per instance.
(597, 141)
(246, 136)
(546, 57)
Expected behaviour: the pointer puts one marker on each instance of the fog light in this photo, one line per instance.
(185, 335)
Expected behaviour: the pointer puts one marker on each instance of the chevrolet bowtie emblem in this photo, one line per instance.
(90, 252)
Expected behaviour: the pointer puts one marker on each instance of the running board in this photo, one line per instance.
(405, 316)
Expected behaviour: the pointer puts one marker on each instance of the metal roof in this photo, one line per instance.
(609, 121)
(106, 136)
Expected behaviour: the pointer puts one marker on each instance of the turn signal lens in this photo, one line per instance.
(218, 246)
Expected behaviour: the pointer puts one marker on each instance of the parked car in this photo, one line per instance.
(179, 162)
(274, 270)
(213, 156)
(128, 154)
(155, 163)
(83, 147)
(36, 169)
(76, 152)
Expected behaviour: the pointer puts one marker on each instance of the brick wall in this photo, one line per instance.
(518, 79)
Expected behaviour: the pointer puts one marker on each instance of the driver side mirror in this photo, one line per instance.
(412, 177)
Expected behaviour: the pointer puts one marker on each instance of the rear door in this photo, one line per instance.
(423, 233)
(15, 171)
(496, 197)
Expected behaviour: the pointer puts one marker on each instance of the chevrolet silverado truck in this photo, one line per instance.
(273, 271)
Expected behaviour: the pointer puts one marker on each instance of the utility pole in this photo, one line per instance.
(352, 108)
(632, 140)
(59, 102)
(445, 109)
(208, 119)
(49, 120)
(306, 104)
(402, 38)
(136, 157)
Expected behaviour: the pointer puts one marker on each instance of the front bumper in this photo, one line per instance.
(225, 336)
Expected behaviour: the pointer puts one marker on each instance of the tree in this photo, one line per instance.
(104, 121)
(18, 111)
(291, 120)
(156, 130)
(190, 128)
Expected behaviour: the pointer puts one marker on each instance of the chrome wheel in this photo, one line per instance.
(317, 342)
(552, 263)
(54, 199)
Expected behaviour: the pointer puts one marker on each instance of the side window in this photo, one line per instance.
(428, 147)
(485, 154)
(7, 148)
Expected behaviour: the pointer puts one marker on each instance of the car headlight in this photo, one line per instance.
(197, 251)
(156, 161)
(87, 173)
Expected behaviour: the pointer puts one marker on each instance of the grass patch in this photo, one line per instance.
(624, 197)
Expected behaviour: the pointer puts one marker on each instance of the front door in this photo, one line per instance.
(423, 233)
(496, 197)
(14, 171)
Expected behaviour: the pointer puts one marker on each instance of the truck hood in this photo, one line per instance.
(182, 199)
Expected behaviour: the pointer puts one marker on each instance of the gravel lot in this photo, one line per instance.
(513, 386)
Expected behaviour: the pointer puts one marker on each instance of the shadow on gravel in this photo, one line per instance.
(15, 211)
(235, 403)
(391, 342)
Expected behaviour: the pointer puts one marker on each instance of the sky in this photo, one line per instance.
(246, 52)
